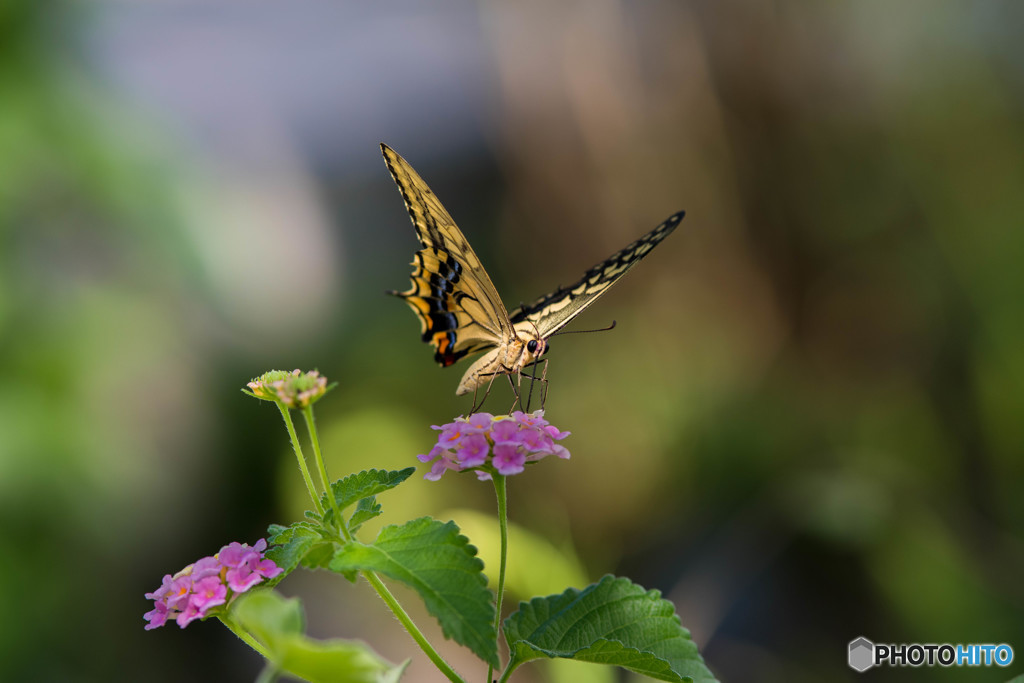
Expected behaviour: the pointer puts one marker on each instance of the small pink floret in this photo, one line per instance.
(242, 578)
(209, 592)
(156, 617)
(507, 459)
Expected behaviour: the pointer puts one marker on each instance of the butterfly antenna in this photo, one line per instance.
(599, 329)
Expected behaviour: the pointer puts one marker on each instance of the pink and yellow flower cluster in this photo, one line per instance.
(483, 442)
(210, 582)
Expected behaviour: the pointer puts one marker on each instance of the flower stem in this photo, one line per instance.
(298, 455)
(268, 674)
(270, 671)
(339, 521)
(244, 636)
(410, 627)
(506, 673)
(500, 492)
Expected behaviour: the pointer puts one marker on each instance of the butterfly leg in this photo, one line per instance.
(502, 370)
(544, 385)
(490, 383)
(478, 406)
(532, 380)
(543, 379)
(515, 391)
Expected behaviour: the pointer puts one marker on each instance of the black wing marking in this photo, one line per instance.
(459, 310)
(554, 311)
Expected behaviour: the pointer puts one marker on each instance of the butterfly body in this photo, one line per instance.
(459, 309)
(509, 358)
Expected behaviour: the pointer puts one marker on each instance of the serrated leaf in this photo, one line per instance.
(275, 530)
(302, 543)
(435, 560)
(318, 557)
(613, 621)
(278, 624)
(366, 509)
(540, 566)
(355, 487)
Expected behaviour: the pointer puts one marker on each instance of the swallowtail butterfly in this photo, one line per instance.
(459, 310)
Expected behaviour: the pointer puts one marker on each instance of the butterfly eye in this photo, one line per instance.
(531, 346)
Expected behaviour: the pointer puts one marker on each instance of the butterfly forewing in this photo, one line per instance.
(554, 311)
(460, 312)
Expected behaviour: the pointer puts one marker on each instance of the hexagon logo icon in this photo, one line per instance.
(861, 654)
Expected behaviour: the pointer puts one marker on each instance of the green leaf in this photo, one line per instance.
(355, 487)
(278, 624)
(366, 509)
(540, 566)
(440, 564)
(613, 621)
(301, 543)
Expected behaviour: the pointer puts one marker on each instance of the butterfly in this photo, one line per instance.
(459, 309)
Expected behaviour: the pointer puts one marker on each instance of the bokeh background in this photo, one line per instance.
(805, 428)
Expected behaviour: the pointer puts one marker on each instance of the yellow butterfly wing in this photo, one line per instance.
(459, 310)
(552, 312)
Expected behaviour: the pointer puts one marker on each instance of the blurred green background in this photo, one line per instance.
(805, 428)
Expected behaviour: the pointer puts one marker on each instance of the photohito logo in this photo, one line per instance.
(863, 654)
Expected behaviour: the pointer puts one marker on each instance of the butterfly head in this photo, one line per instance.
(535, 348)
(534, 345)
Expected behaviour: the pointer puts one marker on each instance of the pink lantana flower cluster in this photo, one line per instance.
(484, 443)
(208, 583)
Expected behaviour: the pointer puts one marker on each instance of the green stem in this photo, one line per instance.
(298, 455)
(413, 631)
(500, 492)
(244, 636)
(268, 674)
(339, 521)
(506, 673)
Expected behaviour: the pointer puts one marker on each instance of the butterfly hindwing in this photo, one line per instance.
(554, 311)
(459, 310)
(451, 319)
